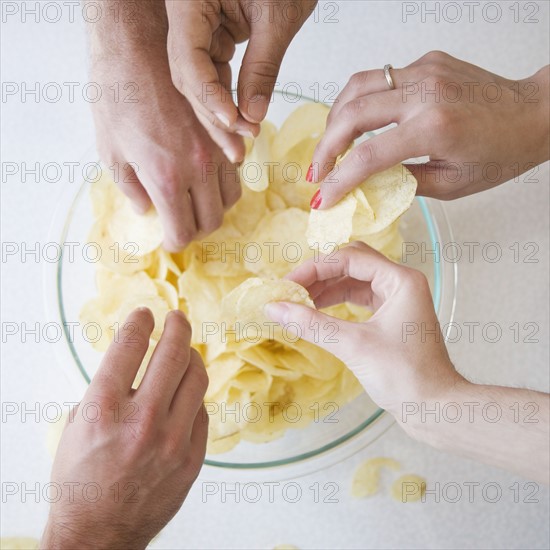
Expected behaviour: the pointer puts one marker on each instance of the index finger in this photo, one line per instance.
(175, 208)
(169, 362)
(357, 260)
(188, 397)
(122, 360)
(191, 29)
(370, 157)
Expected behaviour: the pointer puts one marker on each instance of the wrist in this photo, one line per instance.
(60, 535)
(65, 535)
(419, 415)
(535, 96)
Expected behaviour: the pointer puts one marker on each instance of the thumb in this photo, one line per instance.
(260, 67)
(329, 333)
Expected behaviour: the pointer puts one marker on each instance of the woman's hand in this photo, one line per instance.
(399, 356)
(387, 353)
(477, 128)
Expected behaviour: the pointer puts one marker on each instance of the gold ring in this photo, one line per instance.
(387, 74)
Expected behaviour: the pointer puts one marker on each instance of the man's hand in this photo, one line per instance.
(202, 40)
(148, 134)
(127, 459)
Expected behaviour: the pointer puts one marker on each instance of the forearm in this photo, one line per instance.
(505, 427)
(128, 44)
(128, 26)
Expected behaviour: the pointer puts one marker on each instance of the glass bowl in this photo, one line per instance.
(70, 282)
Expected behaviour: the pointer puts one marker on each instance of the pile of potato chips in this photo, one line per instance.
(256, 368)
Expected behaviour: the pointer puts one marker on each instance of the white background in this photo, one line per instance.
(365, 35)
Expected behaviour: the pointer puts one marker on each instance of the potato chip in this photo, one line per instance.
(261, 433)
(203, 295)
(247, 213)
(274, 201)
(222, 371)
(19, 543)
(309, 360)
(118, 296)
(222, 444)
(163, 263)
(221, 254)
(134, 233)
(168, 293)
(127, 228)
(278, 244)
(367, 477)
(253, 380)
(329, 228)
(408, 488)
(159, 264)
(254, 171)
(121, 259)
(246, 302)
(267, 361)
(389, 193)
(307, 121)
(102, 195)
(372, 207)
(222, 424)
(53, 434)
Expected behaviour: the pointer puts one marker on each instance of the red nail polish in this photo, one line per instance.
(309, 175)
(316, 200)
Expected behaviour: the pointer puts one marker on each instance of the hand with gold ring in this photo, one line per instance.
(478, 129)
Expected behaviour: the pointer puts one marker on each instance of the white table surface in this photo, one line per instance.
(366, 35)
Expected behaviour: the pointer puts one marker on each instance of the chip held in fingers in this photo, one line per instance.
(246, 303)
(368, 209)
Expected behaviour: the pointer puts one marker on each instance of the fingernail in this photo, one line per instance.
(139, 208)
(257, 107)
(231, 156)
(277, 311)
(223, 119)
(245, 133)
(177, 312)
(316, 200)
(309, 175)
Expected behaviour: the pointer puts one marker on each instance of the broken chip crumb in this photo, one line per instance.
(367, 476)
(408, 488)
